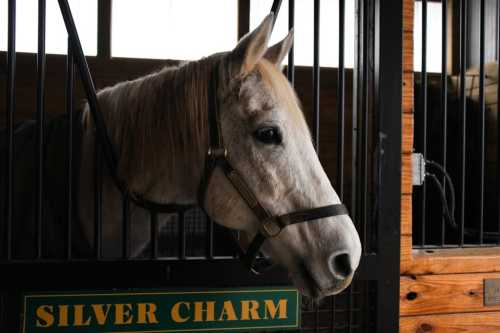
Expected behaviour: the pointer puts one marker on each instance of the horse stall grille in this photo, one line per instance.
(456, 125)
(360, 133)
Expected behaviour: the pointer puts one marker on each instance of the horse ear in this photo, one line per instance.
(252, 47)
(276, 53)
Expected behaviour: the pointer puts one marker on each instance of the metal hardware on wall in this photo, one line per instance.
(491, 292)
(418, 169)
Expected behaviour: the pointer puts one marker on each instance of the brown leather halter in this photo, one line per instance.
(217, 156)
(270, 226)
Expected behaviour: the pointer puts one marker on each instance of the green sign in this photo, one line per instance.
(163, 311)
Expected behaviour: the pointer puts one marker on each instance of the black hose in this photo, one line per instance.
(448, 180)
(446, 210)
(449, 211)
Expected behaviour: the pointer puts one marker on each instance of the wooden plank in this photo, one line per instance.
(406, 180)
(444, 293)
(407, 52)
(406, 214)
(447, 261)
(408, 9)
(488, 322)
(408, 92)
(406, 254)
(407, 137)
(408, 39)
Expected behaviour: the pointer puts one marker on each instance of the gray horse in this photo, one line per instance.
(164, 115)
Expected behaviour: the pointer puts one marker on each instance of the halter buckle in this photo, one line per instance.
(269, 228)
(216, 153)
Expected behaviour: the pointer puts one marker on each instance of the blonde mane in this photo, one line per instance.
(283, 92)
(143, 117)
(158, 122)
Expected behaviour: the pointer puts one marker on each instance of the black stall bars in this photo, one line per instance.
(355, 124)
(10, 108)
(456, 127)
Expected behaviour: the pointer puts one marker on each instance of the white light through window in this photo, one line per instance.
(84, 14)
(304, 29)
(434, 30)
(173, 29)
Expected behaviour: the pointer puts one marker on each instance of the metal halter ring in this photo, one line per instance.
(217, 152)
(269, 228)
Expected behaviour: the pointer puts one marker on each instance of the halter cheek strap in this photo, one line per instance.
(270, 226)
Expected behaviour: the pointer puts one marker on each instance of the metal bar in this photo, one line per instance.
(70, 70)
(363, 130)
(154, 235)
(350, 307)
(10, 109)
(98, 165)
(356, 104)
(182, 235)
(210, 234)
(463, 110)
(341, 102)
(243, 17)
(3, 312)
(88, 85)
(238, 238)
(104, 28)
(316, 318)
(125, 227)
(127, 274)
(423, 117)
(40, 119)
(275, 8)
(291, 25)
(368, 269)
(388, 82)
(482, 131)
(333, 314)
(444, 96)
(498, 118)
(315, 127)
(101, 132)
(366, 273)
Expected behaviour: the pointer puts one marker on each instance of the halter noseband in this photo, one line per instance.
(217, 156)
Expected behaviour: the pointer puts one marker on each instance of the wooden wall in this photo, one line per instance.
(441, 291)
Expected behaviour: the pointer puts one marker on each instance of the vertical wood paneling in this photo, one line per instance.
(407, 134)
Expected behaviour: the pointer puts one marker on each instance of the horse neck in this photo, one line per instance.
(158, 125)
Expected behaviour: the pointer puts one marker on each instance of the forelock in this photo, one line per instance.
(281, 91)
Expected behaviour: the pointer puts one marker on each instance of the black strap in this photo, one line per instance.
(311, 214)
(102, 135)
(215, 151)
(249, 257)
(282, 221)
(244, 190)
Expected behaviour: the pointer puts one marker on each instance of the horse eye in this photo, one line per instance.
(269, 135)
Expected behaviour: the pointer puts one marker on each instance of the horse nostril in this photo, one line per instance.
(341, 266)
